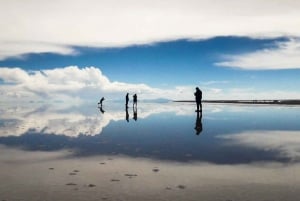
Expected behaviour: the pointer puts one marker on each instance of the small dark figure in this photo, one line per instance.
(127, 100)
(135, 113)
(134, 100)
(198, 96)
(127, 114)
(101, 110)
(101, 100)
(198, 126)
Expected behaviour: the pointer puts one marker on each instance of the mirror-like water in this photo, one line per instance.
(256, 147)
(223, 134)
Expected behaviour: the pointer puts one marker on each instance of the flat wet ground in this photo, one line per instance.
(161, 151)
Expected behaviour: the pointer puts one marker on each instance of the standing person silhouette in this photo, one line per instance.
(198, 96)
(135, 100)
(127, 100)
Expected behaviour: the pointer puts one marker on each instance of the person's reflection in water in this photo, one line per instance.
(198, 126)
(127, 114)
(135, 100)
(135, 113)
(127, 100)
(101, 109)
(101, 101)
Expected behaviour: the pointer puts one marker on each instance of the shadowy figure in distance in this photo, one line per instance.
(198, 126)
(135, 100)
(100, 102)
(135, 113)
(127, 100)
(101, 109)
(127, 114)
(198, 96)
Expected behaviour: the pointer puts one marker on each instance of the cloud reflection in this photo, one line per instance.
(18, 120)
(271, 181)
(70, 120)
(162, 131)
(286, 143)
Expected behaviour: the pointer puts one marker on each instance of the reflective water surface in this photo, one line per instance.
(159, 151)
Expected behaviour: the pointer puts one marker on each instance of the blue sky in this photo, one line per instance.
(166, 63)
(94, 53)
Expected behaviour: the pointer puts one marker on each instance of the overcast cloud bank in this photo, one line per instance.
(39, 26)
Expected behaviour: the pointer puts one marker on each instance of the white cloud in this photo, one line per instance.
(35, 26)
(287, 143)
(18, 49)
(76, 83)
(285, 56)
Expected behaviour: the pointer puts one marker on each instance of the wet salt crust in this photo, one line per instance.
(76, 153)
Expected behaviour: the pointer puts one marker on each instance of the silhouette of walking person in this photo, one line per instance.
(127, 100)
(198, 125)
(198, 96)
(135, 100)
(101, 100)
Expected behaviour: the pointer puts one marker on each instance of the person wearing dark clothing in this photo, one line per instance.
(198, 96)
(127, 100)
(134, 100)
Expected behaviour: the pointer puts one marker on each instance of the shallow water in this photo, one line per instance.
(160, 151)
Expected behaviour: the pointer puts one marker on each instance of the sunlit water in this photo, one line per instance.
(159, 151)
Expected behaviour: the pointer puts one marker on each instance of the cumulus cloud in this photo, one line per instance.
(72, 83)
(37, 26)
(286, 55)
(75, 84)
(49, 83)
(284, 142)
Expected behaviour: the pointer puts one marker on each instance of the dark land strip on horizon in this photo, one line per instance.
(275, 102)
